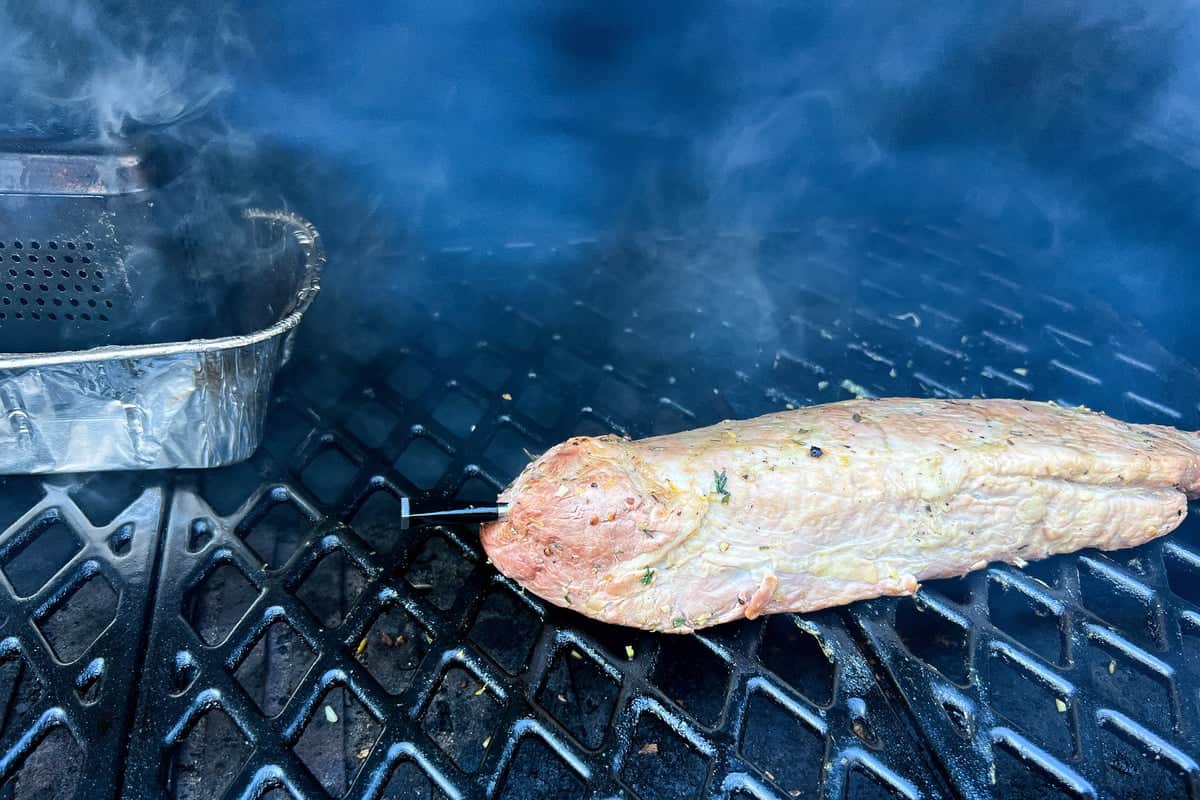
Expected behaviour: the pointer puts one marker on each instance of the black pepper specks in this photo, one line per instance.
(815, 451)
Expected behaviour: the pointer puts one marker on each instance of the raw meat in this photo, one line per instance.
(821, 506)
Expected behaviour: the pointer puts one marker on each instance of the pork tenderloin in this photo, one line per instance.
(826, 505)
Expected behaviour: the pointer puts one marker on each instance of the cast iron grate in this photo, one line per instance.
(73, 602)
(447, 676)
(301, 646)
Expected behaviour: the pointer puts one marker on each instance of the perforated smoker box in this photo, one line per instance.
(139, 329)
(265, 629)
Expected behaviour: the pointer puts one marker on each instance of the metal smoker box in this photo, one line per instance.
(140, 327)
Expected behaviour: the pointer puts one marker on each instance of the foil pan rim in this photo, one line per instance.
(314, 257)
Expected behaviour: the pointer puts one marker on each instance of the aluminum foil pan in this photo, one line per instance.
(133, 337)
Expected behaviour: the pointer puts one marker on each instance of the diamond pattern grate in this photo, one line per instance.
(298, 644)
(73, 602)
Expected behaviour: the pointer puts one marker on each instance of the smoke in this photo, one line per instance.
(147, 79)
(1068, 129)
(99, 73)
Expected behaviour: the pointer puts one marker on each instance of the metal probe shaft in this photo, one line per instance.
(464, 514)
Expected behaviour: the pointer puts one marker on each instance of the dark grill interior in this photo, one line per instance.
(265, 629)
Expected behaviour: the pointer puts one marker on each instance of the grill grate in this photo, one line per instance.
(77, 582)
(298, 645)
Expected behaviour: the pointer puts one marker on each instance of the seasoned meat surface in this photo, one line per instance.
(825, 505)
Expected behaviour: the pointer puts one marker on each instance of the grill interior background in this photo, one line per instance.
(264, 630)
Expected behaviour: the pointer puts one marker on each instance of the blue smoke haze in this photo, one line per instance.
(1069, 130)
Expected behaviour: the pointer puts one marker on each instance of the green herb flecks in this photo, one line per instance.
(567, 597)
(719, 481)
(649, 576)
(678, 622)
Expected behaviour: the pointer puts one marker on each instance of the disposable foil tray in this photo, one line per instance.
(140, 327)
